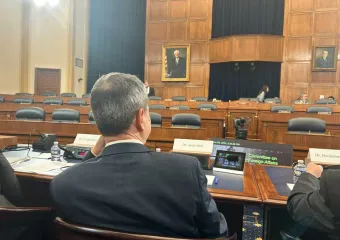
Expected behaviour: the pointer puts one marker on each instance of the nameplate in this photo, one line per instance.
(168, 100)
(325, 113)
(284, 111)
(205, 109)
(174, 108)
(324, 156)
(215, 100)
(86, 139)
(192, 100)
(193, 146)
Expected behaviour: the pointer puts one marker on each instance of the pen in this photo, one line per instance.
(216, 180)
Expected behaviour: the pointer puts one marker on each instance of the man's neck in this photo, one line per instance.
(123, 136)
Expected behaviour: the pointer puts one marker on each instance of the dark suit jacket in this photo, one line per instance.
(321, 63)
(177, 70)
(129, 188)
(315, 203)
(151, 92)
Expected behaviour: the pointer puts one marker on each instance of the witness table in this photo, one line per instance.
(7, 141)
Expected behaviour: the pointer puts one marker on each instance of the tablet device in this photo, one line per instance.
(230, 162)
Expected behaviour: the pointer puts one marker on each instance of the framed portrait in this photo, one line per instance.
(175, 63)
(325, 58)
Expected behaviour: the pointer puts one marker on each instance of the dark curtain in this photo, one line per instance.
(227, 84)
(117, 38)
(235, 17)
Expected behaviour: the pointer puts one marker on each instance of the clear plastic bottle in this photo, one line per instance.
(299, 168)
(158, 150)
(55, 152)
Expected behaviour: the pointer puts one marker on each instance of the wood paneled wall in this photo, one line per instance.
(309, 23)
(246, 48)
(178, 22)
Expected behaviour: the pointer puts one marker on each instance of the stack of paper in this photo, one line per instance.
(210, 179)
(41, 166)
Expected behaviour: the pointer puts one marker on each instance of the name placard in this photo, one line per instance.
(86, 139)
(205, 109)
(284, 111)
(325, 113)
(193, 146)
(324, 156)
(174, 108)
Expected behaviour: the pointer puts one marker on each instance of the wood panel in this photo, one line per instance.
(177, 31)
(178, 9)
(298, 49)
(158, 11)
(326, 22)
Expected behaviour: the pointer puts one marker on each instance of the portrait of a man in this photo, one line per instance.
(324, 58)
(175, 64)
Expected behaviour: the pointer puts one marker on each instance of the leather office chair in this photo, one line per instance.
(49, 94)
(186, 120)
(68, 95)
(33, 114)
(2, 99)
(200, 99)
(155, 98)
(279, 108)
(27, 223)
(23, 94)
(156, 119)
(91, 117)
(319, 110)
(178, 98)
(180, 107)
(273, 100)
(23, 100)
(157, 106)
(77, 102)
(207, 106)
(86, 95)
(249, 99)
(65, 115)
(53, 101)
(325, 101)
(68, 231)
(305, 124)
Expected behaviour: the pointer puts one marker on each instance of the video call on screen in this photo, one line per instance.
(225, 159)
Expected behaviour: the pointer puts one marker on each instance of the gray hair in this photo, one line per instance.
(115, 100)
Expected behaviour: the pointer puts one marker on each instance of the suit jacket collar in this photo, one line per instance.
(120, 148)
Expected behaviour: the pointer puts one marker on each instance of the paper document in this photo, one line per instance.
(291, 186)
(41, 166)
(15, 160)
(210, 179)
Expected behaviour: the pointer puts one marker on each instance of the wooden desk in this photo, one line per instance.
(40, 99)
(7, 141)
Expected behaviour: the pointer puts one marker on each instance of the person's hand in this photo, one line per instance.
(315, 170)
(98, 148)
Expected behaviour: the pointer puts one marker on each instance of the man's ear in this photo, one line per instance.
(140, 119)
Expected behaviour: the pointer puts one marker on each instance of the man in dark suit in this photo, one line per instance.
(324, 61)
(128, 187)
(149, 90)
(314, 203)
(177, 66)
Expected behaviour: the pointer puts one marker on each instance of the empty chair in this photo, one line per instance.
(23, 94)
(2, 99)
(319, 110)
(49, 94)
(77, 102)
(65, 115)
(157, 106)
(86, 95)
(272, 100)
(325, 101)
(91, 117)
(33, 114)
(156, 119)
(282, 108)
(305, 124)
(67, 231)
(53, 101)
(68, 95)
(186, 120)
(180, 107)
(207, 106)
(23, 100)
(178, 98)
(200, 99)
(249, 99)
(155, 98)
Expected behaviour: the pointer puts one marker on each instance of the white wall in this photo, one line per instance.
(10, 45)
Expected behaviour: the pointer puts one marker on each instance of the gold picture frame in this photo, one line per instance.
(325, 58)
(175, 63)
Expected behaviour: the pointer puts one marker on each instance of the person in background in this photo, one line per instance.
(314, 200)
(128, 187)
(149, 90)
(303, 99)
(331, 98)
(262, 93)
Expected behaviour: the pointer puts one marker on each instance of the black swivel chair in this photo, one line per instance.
(304, 124)
(156, 119)
(186, 120)
(86, 95)
(23, 100)
(77, 102)
(157, 98)
(200, 99)
(53, 101)
(178, 98)
(49, 94)
(180, 107)
(68, 95)
(2, 99)
(31, 114)
(273, 100)
(325, 101)
(207, 106)
(66, 115)
(157, 106)
(282, 108)
(91, 117)
(23, 94)
(326, 110)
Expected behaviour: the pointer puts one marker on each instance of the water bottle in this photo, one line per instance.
(55, 152)
(158, 150)
(298, 168)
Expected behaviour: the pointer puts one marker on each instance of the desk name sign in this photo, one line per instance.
(193, 146)
(324, 156)
(284, 111)
(86, 139)
(325, 113)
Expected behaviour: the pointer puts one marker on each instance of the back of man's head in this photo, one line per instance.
(115, 100)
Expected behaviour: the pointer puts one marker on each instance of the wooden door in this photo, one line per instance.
(47, 80)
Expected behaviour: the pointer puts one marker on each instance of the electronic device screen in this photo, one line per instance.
(229, 160)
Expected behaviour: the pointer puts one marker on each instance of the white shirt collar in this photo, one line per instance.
(124, 141)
